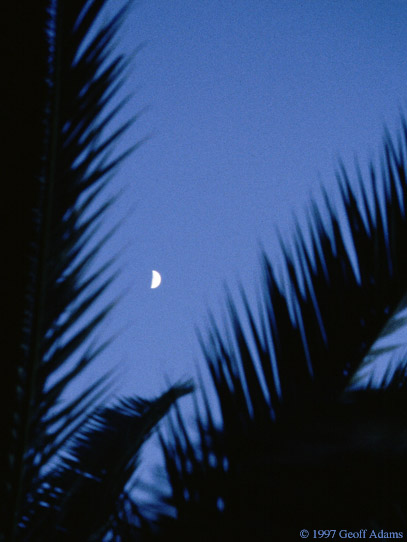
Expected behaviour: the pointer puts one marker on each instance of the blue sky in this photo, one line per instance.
(249, 105)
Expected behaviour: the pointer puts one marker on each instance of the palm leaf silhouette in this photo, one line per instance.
(62, 86)
(299, 446)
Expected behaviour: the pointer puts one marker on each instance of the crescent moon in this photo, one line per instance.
(156, 279)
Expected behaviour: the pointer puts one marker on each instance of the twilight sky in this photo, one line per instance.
(250, 105)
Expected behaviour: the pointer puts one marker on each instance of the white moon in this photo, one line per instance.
(156, 279)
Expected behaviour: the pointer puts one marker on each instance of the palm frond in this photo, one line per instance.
(82, 497)
(59, 156)
(296, 446)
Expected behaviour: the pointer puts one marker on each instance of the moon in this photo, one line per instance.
(156, 279)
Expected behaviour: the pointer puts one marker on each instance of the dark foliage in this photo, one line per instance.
(300, 446)
(61, 96)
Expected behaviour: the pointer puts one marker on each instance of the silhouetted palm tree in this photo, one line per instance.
(65, 466)
(305, 442)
